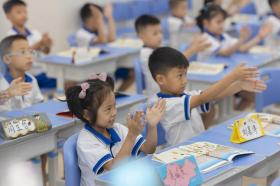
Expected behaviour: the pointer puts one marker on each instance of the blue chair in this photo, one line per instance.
(276, 182)
(71, 168)
(139, 77)
(250, 8)
(165, 29)
(72, 41)
(140, 7)
(159, 7)
(271, 95)
(161, 134)
(122, 11)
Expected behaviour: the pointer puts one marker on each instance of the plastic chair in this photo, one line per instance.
(165, 29)
(271, 95)
(250, 8)
(139, 77)
(122, 11)
(183, 47)
(72, 41)
(276, 182)
(161, 134)
(71, 168)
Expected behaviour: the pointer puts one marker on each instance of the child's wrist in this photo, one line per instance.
(131, 135)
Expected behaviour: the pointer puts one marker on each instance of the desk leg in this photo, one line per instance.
(60, 79)
(53, 168)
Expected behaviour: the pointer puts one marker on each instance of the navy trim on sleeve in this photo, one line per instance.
(187, 107)
(136, 148)
(99, 165)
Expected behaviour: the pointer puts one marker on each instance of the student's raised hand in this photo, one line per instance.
(253, 85)
(200, 43)
(108, 11)
(47, 41)
(242, 72)
(135, 123)
(245, 33)
(4, 96)
(19, 88)
(265, 30)
(154, 113)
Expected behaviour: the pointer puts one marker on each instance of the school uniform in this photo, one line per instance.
(275, 21)
(151, 86)
(180, 122)
(217, 43)
(18, 102)
(85, 37)
(33, 37)
(176, 24)
(94, 150)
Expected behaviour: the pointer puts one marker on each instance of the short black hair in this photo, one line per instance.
(272, 2)
(7, 42)
(95, 96)
(86, 12)
(145, 20)
(208, 12)
(208, 2)
(174, 3)
(165, 58)
(8, 5)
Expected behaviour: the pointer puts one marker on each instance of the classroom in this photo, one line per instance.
(140, 93)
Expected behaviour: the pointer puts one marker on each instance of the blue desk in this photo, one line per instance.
(218, 176)
(62, 69)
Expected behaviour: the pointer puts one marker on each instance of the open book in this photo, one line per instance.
(80, 54)
(127, 43)
(262, 50)
(270, 122)
(209, 156)
(205, 68)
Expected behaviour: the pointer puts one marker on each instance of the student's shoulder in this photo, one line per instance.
(145, 52)
(85, 138)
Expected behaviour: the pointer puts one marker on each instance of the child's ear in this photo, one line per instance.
(7, 59)
(86, 115)
(205, 23)
(160, 79)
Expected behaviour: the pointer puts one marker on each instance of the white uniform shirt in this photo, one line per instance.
(275, 34)
(176, 24)
(152, 87)
(94, 150)
(18, 102)
(85, 37)
(179, 121)
(217, 43)
(33, 37)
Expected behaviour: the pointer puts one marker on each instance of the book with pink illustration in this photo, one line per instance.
(181, 173)
(209, 156)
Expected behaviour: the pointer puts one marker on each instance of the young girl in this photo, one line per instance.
(211, 22)
(102, 143)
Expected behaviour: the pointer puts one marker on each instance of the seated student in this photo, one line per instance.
(16, 13)
(18, 56)
(211, 22)
(274, 18)
(95, 32)
(169, 69)
(149, 31)
(179, 16)
(103, 143)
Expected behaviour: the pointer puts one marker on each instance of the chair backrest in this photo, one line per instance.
(139, 77)
(71, 167)
(250, 8)
(276, 182)
(72, 41)
(183, 47)
(271, 95)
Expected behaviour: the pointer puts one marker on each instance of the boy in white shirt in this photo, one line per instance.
(18, 56)
(16, 13)
(179, 17)
(149, 30)
(169, 69)
(93, 30)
